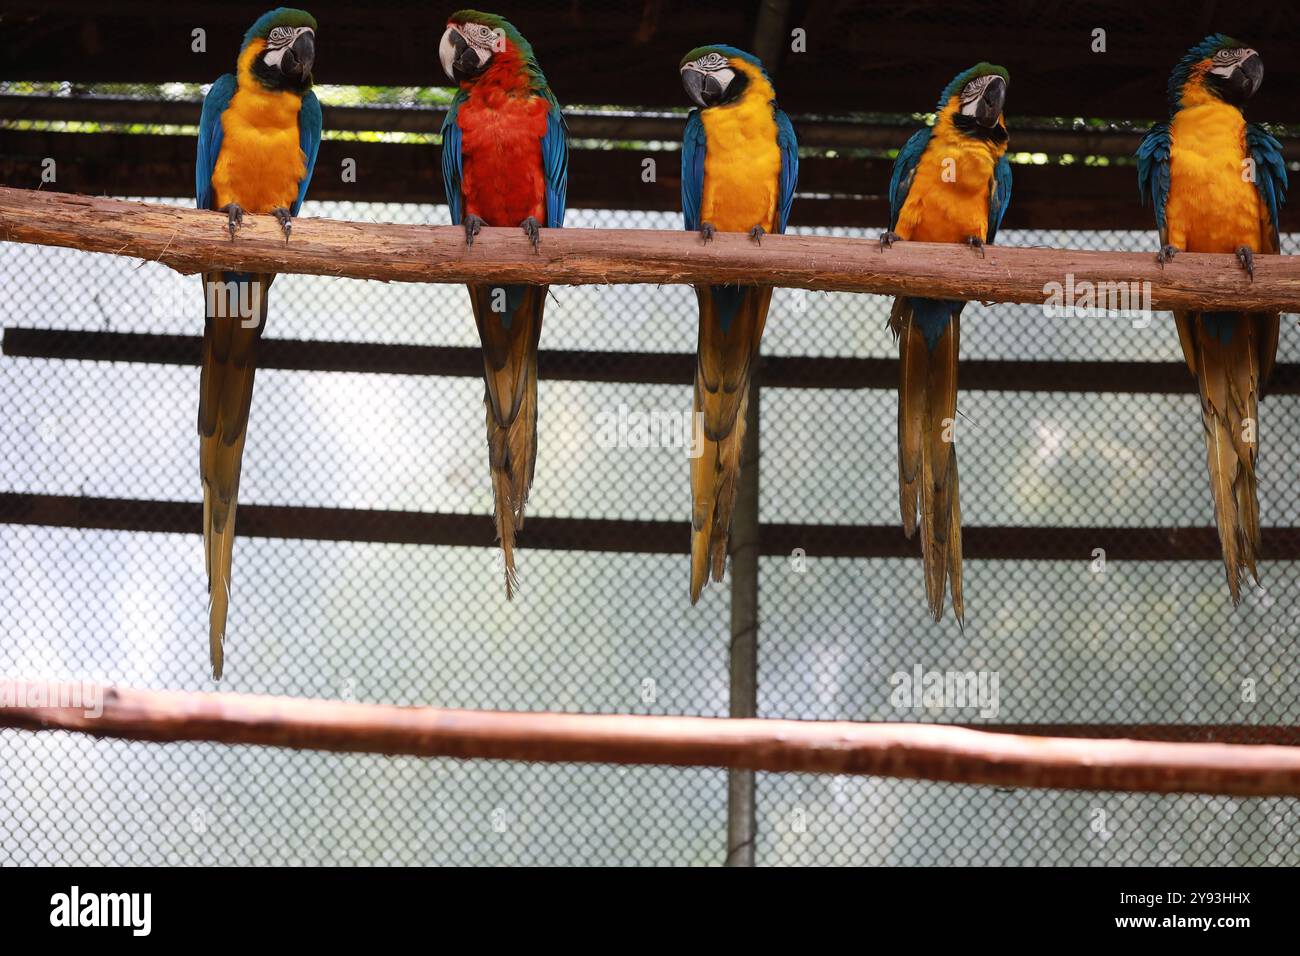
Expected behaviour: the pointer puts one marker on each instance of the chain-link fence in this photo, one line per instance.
(1055, 642)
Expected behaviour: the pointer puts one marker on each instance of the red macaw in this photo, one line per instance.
(504, 163)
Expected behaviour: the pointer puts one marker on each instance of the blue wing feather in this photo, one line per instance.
(1270, 173)
(310, 124)
(1153, 171)
(451, 165)
(999, 198)
(210, 134)
(694, 146)
(555, 164)
(789, 178)
(900, 181)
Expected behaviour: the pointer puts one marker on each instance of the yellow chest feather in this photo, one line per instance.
(949, 197)
(1213, 205)
(742, 165)
(261, 161)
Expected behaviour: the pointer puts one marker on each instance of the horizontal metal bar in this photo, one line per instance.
(833, 191)
(625, 535)
(830, 133)
(646, 368)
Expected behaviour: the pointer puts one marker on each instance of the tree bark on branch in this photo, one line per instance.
(190, 240)
(907, 751)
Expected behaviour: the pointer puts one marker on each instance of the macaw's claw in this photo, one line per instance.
(533, 230)
(285, 218)
(976, 243)
(707, 231)
(888, 238)
(234, 217)
(472, 226)
(757, 234)
(1166, 254)
(1246, 256)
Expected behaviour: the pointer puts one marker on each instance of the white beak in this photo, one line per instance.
(446, 52)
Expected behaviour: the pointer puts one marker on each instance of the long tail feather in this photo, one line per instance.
(927, 454)
(509, 322)
(731, 327)
(1226, 353)
(235, 319)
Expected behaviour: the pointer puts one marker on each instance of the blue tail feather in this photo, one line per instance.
(932, 316)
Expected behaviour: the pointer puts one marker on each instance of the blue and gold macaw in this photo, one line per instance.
(951, 183)
(1216, 183)
(505, 162)
(258, 137)
(740, 162)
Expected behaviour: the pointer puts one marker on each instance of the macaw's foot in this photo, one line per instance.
(234, 217)
(285, 218)
(1246, 256)
(757, 234)
(472, 226)
(887, 239)
(976, 243)
(707, 231)
(1166, 254)
(533, 230)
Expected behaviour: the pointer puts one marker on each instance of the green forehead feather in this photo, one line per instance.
(961, 79)
(279, 17)
(730, 52)
(495, 22)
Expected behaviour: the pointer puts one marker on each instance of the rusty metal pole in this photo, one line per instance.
(742, 810)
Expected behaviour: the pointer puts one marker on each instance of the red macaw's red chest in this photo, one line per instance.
(502, 124)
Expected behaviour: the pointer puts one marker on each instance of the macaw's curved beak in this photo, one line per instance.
(991, 102)
(704, 89)
(1248, 77)
(301, 57)
(460, 61)
(693, 82)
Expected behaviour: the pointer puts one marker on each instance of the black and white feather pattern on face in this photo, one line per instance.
(1225, 61)
(281, 39)
(466, 48)
(972, 92)
(714, 65)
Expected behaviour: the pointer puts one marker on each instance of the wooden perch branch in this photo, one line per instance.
(189, 240)
(907, 751)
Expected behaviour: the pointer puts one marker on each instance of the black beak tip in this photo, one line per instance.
(992, 102)
(301, 57)
(693, 83)
(1252, 69)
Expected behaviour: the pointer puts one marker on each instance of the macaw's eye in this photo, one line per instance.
(280, 34)
(1227, 56)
